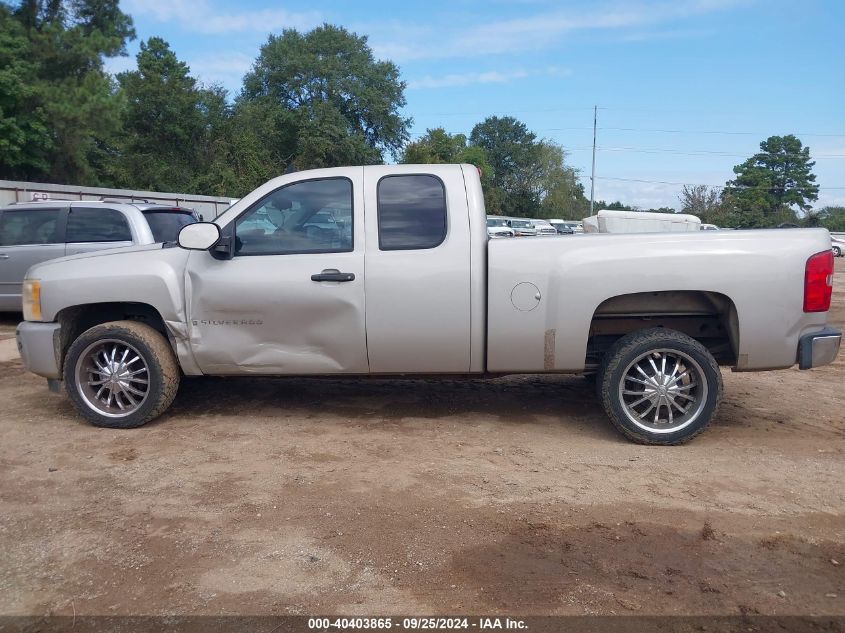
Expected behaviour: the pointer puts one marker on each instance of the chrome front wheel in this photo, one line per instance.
(121, 374)
(112, 377)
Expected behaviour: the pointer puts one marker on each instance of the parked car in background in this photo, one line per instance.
(498, 227)
(837, 245)
(708, 227)
(574, 226)
(543, 227)
(522, 227)
(34, 232)
(562, 227)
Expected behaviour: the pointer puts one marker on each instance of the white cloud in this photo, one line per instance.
(225, 68)
(202, 17)
(488, 77)
(533, 32)
(465, 79)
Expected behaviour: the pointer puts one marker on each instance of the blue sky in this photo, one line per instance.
(686, 89)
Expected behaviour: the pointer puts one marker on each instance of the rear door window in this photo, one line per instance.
(97, 225)
(29, 226)
(411, 212)
(166, 223)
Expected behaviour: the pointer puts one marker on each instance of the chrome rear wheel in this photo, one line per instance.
(659, 386)
(663, 391)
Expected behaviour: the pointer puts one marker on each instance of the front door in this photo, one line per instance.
(291, 300)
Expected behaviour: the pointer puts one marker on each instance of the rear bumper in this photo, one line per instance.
(38, 344)
(819, 348)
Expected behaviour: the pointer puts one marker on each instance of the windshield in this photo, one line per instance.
(496, 222)
(521, 224)
(166, 223)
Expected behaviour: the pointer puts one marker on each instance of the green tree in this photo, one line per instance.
(511, 150)
(831, 218)
(556, 185)
(700, 200)
(343, 105)
(24, 141)
(435, 146)
(165, 122)
(613, 206)
(438, 146)
(529, 176)
(67, 42)
(773, 185)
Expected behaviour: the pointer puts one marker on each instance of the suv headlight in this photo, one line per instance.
(32, 300)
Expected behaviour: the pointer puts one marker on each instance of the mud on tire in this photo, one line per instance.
(659, 386)
(109, 386)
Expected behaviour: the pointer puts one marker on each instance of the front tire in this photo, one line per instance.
(121, 374)
(659, 386)
(837, 252)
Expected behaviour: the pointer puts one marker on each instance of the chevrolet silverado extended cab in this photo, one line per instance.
(398, 278)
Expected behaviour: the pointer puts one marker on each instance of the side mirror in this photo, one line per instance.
(199, 236)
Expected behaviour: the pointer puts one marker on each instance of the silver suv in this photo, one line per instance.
(33, 232)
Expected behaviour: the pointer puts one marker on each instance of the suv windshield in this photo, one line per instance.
(521, 224)
(496, 222)
(166, 223)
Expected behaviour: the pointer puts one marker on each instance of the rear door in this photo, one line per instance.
(27, 237)
(96, 228)
(418, 270)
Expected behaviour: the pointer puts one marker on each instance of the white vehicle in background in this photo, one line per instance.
(837, 245)
(543, 227)
(609, 221)
(522, 227)
(498, 227)
(709, 227)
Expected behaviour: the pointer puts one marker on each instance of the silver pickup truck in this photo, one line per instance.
(398, 278)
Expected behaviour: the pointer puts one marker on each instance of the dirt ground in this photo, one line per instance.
(512, 496)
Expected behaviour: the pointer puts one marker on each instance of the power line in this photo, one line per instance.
(702, 152)
(693, 184)
(667, 131)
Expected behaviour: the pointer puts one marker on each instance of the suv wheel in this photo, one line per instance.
(659, 386)
(121, 374)
(837, 252)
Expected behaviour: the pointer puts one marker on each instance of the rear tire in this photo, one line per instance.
(837, 252)
(121, 374)
(659, 386)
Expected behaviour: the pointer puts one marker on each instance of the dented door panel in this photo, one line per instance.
(265, 315)
(281, 314)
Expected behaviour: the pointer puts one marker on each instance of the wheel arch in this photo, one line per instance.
(706, 316)
(75, 320)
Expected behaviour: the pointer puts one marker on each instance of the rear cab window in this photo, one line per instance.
(411, 212)
(165, 224)
(19, 227)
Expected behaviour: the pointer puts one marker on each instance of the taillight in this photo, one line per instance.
(818, 282)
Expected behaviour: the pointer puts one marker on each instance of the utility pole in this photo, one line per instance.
(593, 176)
